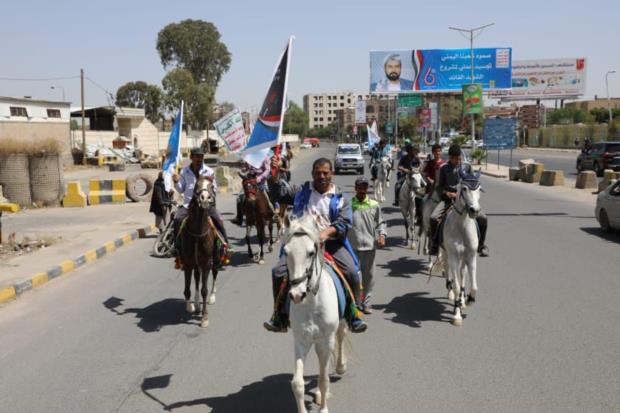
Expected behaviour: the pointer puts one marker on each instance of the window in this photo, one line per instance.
(53, 113)
(316, 119)
(342, 105)
(19, 111)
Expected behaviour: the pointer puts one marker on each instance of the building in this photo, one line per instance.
(321, 107)
(380, 108)
(596, 103)
(33, 119)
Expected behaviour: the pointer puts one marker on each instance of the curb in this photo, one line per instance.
(13, 291)
(493, 174)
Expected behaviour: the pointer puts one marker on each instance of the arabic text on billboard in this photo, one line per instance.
(548, 78)
(435, 70)
(500, 133)
(231, 130)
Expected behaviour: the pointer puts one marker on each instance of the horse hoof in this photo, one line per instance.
(261, 261)
(470, 300)
(270, 249)
(457, 322)
(189, 306)
(451, 295)
(412, 246)
(204, 323)
(211, 299)
(341, 369)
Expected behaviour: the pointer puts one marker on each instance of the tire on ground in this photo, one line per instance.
(133, 192)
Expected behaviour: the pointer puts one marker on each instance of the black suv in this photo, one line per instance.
(602, 155)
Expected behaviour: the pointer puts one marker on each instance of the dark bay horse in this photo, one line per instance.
(257, 214)
(198, 248)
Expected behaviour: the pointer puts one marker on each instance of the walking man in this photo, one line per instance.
(367, 228)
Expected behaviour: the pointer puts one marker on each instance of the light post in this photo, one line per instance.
(611, 117)
(62, 89)
(471, 52)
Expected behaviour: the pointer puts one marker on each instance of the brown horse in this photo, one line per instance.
(198, 248)
(257, 214)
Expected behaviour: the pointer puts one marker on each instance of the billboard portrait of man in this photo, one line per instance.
(393, 80)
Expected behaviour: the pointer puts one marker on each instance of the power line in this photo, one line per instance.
(39, 79)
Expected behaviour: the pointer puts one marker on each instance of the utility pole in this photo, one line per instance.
(611, 117)
(471, 49)
(83, 116)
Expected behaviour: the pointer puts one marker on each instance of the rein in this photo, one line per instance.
(309, 272)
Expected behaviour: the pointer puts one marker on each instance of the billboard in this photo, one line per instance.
(500, 133)
(231, 130)
(360, 111)
(472, 99)
(437, 70)
(548, 78)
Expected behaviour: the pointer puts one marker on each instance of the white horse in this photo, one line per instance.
(428, 205)
(314, 313)
(382, 178)
(412, 186)
(460, 242)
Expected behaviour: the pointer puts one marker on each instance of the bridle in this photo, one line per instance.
(197, 193)
(307, 277)
(460, 197)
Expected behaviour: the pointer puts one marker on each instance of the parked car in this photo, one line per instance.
(349, 156)
(602, 155)
(305, 145)
(315, 142)
(607, 209)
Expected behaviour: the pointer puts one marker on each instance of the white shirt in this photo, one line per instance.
(318, 206)
(187, 181)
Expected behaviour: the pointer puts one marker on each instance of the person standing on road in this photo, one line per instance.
(446, 187)
(367, 227)
(161, 201)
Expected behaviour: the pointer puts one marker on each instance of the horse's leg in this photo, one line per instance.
(297, 384)
(270, 224)
(189, 305)
(455, 269)
(261, 241)
(204, 272)
(323, 351)
(197, 283)
(341, 362)
(449, 279)
(473, 282)
(213, 266)
(248, 232)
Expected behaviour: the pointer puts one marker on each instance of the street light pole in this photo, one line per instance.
(62, 89)
(471, 52)
(611, 117)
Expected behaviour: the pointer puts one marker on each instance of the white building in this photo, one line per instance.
(322, 108)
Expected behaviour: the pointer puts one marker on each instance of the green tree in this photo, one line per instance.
(295, 120)
(141, 95)
(194, 45)
(179, 85)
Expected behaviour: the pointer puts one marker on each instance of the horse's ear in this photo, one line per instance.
(478, 173)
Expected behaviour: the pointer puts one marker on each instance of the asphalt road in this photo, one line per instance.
(543, 336)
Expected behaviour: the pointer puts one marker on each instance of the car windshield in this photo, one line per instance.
(348, 150)
(614, 147)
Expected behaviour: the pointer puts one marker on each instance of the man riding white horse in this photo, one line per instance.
(446, 188)
(261, 174)
(332, 213)
(406, 164)
(379, 151)
(184, 183)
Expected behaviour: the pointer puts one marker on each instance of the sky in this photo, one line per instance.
(114, 41)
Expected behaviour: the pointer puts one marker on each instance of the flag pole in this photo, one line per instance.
(288, 63)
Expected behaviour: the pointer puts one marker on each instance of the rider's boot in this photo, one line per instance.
(356, 322)
(483, 250)
(278, 322)
(396, 193)
(433, 248)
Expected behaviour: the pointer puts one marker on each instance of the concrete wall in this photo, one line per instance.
(563, 136)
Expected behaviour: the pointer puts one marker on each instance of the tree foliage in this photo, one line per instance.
(194, 45)
(323, 133)
(179, 85)
(295, 120)
(141, 95)
(569, 115)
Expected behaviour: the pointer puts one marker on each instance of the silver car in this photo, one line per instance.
(349, 156)
(608, 207)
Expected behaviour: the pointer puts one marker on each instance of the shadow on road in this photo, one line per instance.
(529, 214)
(152, 318)
(412, 309)
(404, 267)
(598, 232)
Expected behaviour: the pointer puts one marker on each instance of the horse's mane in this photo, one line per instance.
(303, 226)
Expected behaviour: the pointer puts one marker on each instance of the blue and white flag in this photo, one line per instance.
(173, 152)
(373, 135)
(268, 128)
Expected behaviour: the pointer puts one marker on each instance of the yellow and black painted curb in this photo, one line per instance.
(10, 292)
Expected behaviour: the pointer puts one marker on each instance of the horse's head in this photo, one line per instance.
(303, 256)
(203, 192)
(415, 180)
(470, 191)
(250, 188)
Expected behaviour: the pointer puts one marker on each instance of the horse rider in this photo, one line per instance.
(446, 187)
(332, 213)
(184, 183)
(432, 166)
(262, 174)
(402, 152)
(406, 164)
(378, 152)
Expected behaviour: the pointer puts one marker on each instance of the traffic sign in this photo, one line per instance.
(409, 100)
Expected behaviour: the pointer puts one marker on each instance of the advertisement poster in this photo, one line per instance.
(500, 133)
(360, 112)
(548, 78)
(472, 99)
(231, 130)
(424, 118)
(436, 70)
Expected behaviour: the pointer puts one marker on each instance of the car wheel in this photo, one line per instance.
(597, 169)
(603, 219)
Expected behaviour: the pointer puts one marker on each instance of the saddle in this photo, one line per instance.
(442, 220)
